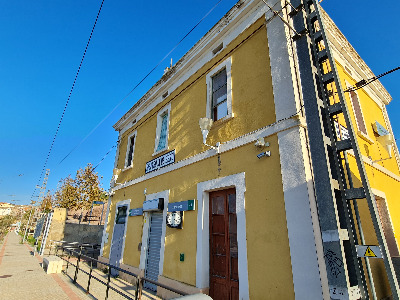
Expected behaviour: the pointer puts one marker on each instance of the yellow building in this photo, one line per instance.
(233, 210)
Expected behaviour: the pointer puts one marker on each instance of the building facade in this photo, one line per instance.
(231, 210)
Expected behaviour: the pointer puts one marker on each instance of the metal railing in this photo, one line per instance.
(66, 256)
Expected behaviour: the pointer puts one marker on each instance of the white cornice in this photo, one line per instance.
(240, 17)
(347, 53)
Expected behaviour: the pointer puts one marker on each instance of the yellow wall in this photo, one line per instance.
(252, 102)
(267, 238)
(373, 149)
(253, 107)
(370, 148)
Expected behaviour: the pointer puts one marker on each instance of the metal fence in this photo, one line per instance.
(67, 253)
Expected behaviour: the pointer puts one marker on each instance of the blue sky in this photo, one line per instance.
(42, 43)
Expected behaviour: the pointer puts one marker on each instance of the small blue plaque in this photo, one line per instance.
(136, 212)
(181, 206)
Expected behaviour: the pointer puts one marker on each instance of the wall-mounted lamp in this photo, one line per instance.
(205, 126)
(386, 141)
(261, 143)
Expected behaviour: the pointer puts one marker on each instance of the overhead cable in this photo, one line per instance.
(69, 96)
(140, 82)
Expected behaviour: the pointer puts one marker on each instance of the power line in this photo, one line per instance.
(140, 82)
(105, 155)
(69, 96)
(364, 82)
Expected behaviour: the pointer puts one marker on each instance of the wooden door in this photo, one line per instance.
(224, 277)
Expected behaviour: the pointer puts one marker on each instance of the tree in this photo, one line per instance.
(66, 195)
(47, 203)
(81, 191)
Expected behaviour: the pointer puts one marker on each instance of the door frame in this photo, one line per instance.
(382, 195)
(146, 230)
(236, 181)
(119, 204)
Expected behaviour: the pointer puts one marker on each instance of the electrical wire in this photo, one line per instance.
(69, 97)
(105, 155)
(364, 82)
(194, 81)
(140, 82)
(201, 75)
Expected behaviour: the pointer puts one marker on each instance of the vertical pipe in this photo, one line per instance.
(77, 268)
(90, 276)
(108, 280)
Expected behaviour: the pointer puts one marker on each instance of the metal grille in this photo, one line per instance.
(153, 250)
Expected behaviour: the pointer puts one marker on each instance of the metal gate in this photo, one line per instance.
(153, 250)
(118, 238)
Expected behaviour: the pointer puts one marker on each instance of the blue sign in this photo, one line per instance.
(161, 161)
(181, 206)
(136, 212)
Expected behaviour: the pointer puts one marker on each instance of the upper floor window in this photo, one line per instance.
(161, 142)
(130, 150)
(219, 92)
(358, 112)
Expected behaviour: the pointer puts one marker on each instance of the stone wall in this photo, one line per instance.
(62, 231)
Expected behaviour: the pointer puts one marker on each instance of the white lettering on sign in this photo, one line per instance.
(159, 162)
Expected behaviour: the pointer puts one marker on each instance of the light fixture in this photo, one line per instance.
(386, 141)
(205, 126)
(260, 143)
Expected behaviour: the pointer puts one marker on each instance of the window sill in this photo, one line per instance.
(127, 168)
(160, 151)
(223, 120)
(365, 137)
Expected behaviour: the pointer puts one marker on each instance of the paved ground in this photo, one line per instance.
(22, 277)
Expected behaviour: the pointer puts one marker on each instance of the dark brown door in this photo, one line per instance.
(224, 277)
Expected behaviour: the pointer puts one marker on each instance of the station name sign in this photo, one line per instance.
(181, 206)
(161, 161)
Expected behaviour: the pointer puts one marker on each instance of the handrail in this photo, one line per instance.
(139, 280)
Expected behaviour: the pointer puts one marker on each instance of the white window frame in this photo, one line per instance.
(166, 109)
(126, 166)
(226, 64)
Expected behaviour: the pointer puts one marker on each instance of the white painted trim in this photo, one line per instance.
(128, 148)
(377, 166)
(146, 228)
(126, 203)
(300, 224)
(203, 247)
(165, 109)
(227, 65)
(224, 147)
(300, 204)
(104, 238)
